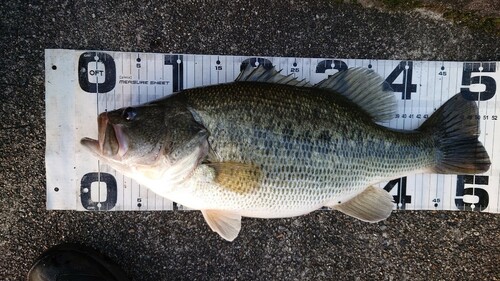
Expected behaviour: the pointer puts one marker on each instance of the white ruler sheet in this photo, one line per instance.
(81, 84)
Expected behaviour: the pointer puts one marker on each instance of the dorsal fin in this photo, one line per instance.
(365, 88)
(362, 86)
(261, 74)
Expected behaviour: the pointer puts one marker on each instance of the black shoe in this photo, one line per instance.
(71, 262)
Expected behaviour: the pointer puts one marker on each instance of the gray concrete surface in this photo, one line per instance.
(178, 245)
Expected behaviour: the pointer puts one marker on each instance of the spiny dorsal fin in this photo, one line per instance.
(365, 88)
(237, 177)
(362, 86)
(261, 74)
(372, 205)
(225, 223)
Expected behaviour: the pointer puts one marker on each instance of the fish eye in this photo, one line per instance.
(129, 113)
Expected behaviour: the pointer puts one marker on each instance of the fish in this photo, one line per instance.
(272, 146)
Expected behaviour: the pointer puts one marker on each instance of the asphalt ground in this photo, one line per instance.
(325, 245)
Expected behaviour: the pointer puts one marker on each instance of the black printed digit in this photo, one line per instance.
(96, 72)
(462, 190)
(401, 198)
(324, 65)
(177, 71)
(406, 88)
(487, 81)
(254, 62)
(86, 188)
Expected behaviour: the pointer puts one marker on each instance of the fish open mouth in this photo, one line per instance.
(111, 141)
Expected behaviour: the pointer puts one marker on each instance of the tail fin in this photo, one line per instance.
(455, 128)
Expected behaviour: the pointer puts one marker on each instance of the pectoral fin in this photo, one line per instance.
(227, 224)
(372, 205)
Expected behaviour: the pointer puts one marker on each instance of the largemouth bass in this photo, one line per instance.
(270, 146)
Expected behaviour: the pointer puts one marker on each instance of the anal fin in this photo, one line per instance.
(226, 224)
(372, 205)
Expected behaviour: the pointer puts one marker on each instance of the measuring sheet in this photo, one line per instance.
(81, 84)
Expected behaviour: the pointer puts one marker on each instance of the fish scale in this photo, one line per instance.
(270, 146)
(356, 147)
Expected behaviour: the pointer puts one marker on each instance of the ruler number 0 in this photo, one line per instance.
(105, 179)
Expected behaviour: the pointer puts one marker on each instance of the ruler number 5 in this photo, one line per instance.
(471, 79)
